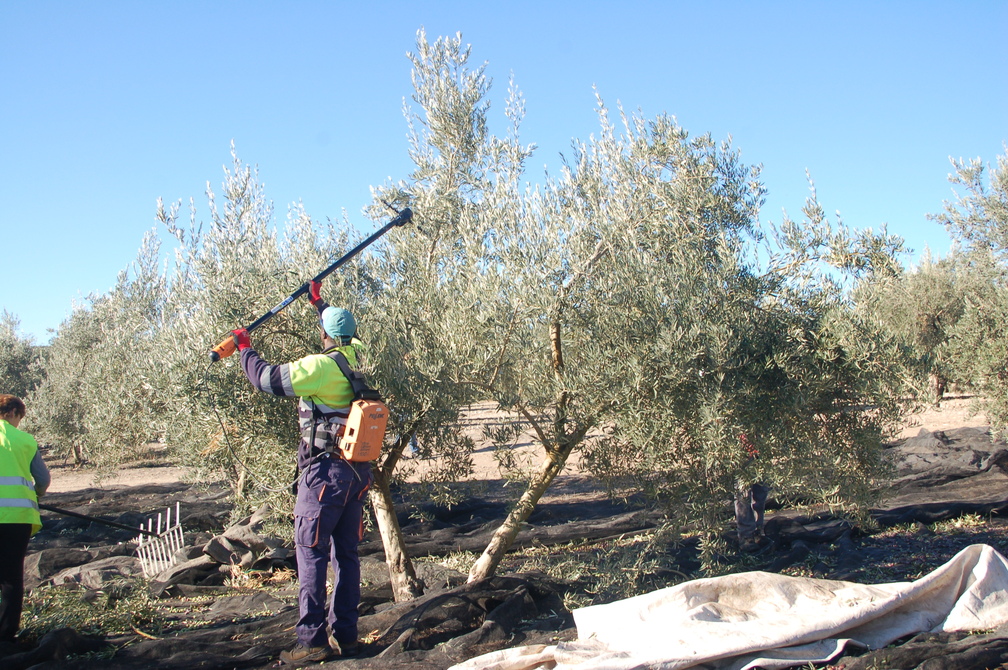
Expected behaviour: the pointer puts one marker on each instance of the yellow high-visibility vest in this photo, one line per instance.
(18, 502)
(318, 377)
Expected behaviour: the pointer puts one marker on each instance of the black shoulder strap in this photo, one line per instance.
(361, 390)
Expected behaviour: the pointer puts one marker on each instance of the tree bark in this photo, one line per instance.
(557, 452)
(405, 585)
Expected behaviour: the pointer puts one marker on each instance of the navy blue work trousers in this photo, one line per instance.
(750, 507)
(328, 526)
(13, 546)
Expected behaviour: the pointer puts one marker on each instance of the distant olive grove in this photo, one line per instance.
(630, 310)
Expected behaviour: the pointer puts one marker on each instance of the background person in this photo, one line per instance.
(750, 506)
(23, 478)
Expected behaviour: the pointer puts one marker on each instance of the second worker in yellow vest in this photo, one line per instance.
(23, 478)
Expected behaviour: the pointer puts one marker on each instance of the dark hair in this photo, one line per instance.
(11, 404)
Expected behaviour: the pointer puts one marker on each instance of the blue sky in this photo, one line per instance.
(108, 106)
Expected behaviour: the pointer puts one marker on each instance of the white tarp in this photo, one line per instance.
(760, 619)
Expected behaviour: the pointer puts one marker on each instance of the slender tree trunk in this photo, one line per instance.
(504, 537)
(557, 453)
(937, 383)
(405, 585)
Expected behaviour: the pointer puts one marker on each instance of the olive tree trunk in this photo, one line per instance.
(486, 565)
(405, 584)
(557, 452)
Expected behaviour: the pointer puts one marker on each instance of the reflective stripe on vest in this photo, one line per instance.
(18, 502)
(15, 481)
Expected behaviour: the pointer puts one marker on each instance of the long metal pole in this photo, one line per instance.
(228, 347)
(85, 517)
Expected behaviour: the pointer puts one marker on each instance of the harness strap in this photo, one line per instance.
(361, 390)
(334, 432)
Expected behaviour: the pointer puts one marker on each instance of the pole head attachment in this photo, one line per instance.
(405, 216)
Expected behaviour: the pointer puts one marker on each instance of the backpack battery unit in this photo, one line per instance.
(365, 426)
(365, 430)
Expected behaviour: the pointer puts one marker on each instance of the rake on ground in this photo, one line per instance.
(156, 549)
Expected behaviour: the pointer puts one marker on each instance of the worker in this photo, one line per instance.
(23, 478)
(328, 513)
(750, 506)
(750, 509)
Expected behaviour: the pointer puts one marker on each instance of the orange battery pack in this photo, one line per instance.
(365, 430)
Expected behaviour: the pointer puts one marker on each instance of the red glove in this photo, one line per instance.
(241, 339)
(315, 292)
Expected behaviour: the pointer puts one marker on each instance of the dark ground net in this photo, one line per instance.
(940, 476)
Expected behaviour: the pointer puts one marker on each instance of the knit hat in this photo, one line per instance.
(338, 323)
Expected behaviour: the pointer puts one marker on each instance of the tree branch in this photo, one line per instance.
(535, 426)
(500, 357)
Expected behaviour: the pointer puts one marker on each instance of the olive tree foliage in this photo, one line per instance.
(978, 220)
(979, 344)
(684, 343)
(101, 399)
(922, 306)
(437, 305)
(227, 272)
(618, 309)
(21, 360)
(978, 217)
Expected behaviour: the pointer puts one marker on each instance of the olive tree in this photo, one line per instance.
(227, 272)
(237, 266)
(979, 343)
(21, 360)
(618, 309)
(978, 220)
(731, 373)
(664, 334)
(923, 306)
(440, 311)
(102, 397)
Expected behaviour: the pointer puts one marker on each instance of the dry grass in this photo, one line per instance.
(122, 608)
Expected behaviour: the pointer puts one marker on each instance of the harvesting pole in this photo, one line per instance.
(228, 346)
(94, 519)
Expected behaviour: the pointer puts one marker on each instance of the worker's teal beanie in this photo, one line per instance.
(338, 322)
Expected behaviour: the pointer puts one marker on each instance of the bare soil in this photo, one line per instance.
(954, 412)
